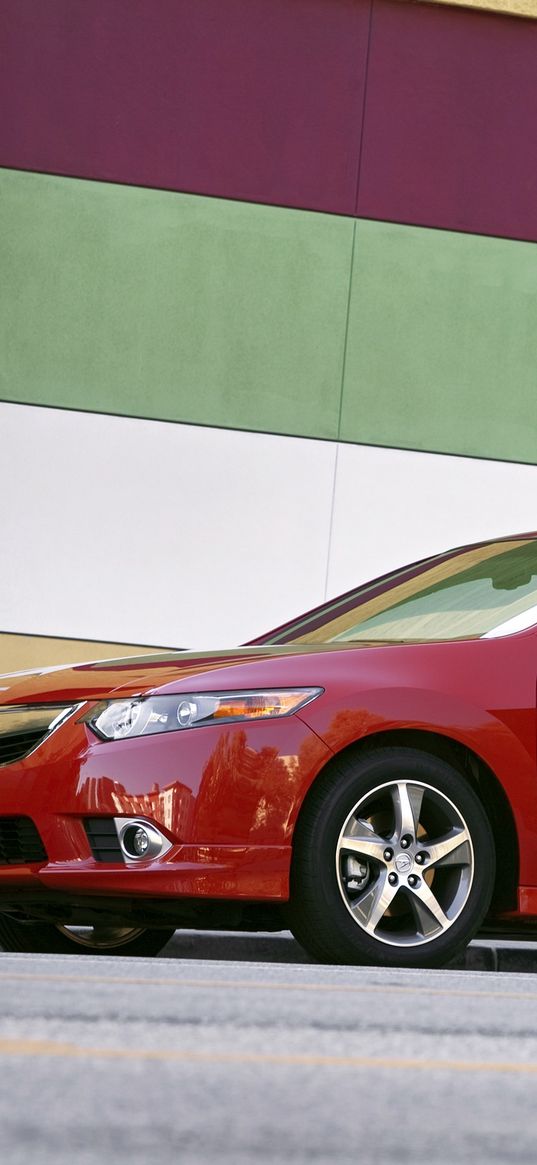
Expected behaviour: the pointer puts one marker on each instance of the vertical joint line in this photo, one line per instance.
(346, 333)
(343, 368)
(331, 523)
(362, 127)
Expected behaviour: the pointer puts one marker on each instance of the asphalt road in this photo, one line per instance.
(200, 1060)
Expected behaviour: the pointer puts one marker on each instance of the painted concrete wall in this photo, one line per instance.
(154, 304)
(22, 652)
(269, 320)
(151, 532)
(397, 111)
(450, 127)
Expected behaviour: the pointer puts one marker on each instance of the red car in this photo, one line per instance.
(365, 775)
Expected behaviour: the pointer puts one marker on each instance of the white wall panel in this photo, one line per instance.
(146, 532)
(392, 506)
(142, 531)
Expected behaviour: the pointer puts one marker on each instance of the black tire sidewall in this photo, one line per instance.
(314, 860)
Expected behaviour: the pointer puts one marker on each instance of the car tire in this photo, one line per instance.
(47, 938)
(393, 861)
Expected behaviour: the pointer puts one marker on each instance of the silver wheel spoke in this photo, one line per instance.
(451, 850)
(372, 905)
(363, 841)
(407, 801)
(428, 911)
(405, 862)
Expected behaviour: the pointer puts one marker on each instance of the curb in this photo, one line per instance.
(283, 948)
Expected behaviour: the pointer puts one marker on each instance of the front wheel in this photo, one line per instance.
(48, 938)
(393, 862)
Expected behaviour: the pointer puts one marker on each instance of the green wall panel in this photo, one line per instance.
(153, 304)
(162, 305)
(442, 343)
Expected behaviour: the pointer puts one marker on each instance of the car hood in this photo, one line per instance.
(168, 671)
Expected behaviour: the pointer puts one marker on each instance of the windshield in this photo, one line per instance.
(477, 592)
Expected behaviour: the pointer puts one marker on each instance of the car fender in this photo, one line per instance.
(502, 739)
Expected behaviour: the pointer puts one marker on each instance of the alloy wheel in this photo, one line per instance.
(100, 937)
(405, 863)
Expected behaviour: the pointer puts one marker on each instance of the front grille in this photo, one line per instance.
(103, 839)
(20, 842)
(16, 745)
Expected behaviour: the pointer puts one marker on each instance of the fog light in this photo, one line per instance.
(140, 839)
(140, 842)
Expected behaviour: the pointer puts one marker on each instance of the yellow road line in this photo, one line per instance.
(267, 985)
(78, 1051)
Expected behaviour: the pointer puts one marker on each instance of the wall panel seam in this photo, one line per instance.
(347, 325)
(364, 106)
(343, 363)
(303, 210)
(427, 452)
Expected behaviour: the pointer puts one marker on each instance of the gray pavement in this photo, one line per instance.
(271, 1059)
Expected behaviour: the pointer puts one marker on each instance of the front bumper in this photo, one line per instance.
(225, 796)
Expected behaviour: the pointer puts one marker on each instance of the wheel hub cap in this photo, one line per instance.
(404, 863)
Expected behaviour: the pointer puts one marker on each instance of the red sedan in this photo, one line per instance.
(365, 775)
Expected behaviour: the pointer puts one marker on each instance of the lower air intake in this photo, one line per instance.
(20, 842)
(103, 839)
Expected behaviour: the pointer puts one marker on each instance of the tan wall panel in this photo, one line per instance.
(527, 8)
(19, 652)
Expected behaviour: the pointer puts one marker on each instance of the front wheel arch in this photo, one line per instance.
(472, 769)
(336, 928)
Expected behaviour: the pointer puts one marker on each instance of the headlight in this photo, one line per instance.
(153, 714)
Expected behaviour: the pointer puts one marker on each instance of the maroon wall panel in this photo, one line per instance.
(450, 134)
(251, 99)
